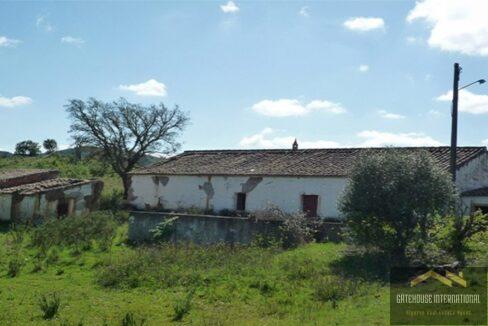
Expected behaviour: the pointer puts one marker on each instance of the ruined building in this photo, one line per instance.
(27, 195)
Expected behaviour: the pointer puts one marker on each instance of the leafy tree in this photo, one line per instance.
(126, 132)
(50, 145)
(392, 198)
(27, 148)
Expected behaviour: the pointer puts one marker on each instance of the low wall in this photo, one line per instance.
(200, 229)
(210, 229)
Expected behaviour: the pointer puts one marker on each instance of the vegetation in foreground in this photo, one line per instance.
(82, 271)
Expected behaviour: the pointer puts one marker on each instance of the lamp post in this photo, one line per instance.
(454, 113)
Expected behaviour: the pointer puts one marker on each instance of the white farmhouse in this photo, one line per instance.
(308, 180)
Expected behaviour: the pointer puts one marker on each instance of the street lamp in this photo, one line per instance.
(455, 93)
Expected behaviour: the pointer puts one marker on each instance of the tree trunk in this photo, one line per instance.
(126, 181)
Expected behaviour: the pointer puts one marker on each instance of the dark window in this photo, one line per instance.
(483, 209)
(62, 208)
(241, 201)
(310, 203)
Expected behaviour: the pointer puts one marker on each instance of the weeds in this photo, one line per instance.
(333, 289)
(130, 320)
(14, 266)
(49, 305)
(182, 306)
(77, 231)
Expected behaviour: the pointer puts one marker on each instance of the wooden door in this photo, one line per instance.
(310, 203)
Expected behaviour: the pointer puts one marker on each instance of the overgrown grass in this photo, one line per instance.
(156, 285)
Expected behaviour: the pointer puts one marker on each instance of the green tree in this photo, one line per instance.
(126, 132)
(27, 148)
(392, 198)
(50, 145)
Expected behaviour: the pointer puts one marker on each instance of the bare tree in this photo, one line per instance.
(126, 132)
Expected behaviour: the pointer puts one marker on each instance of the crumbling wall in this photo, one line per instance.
(78, 200)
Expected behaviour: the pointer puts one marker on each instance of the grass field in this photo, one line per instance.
(242, 285)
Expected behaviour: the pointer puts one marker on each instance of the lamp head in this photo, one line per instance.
(481, 81)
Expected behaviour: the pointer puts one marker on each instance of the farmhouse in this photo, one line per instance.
(26, 195)
(308, 180)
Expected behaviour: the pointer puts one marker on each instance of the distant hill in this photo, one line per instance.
(5, 154)
(89, 151)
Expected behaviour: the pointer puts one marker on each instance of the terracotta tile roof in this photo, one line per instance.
(302, 162)
(31, 188)
(480, 192)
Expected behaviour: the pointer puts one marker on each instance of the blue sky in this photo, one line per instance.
(251, 74)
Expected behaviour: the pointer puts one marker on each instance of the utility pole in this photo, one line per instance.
(454, 127)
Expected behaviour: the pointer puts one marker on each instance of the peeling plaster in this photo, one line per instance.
(250, 184)
(160, 180)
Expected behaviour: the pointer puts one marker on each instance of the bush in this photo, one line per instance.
(182, 306)
(76, 231)
(296, 229)
(112, 201)
(163, 231)
(392, 197)
(49, 305)
(333, 289)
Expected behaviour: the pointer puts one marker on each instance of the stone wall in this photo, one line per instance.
(209, 229)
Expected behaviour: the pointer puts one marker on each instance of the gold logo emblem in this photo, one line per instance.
(449, 279)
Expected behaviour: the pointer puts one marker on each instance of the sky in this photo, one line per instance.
(251, 74)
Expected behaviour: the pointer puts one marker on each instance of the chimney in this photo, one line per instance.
(295, 145)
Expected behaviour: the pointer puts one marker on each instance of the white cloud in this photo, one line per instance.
(391, 116)
(435, 113)
(364, 24)
(8, 42)
(369, 138)
(43, 23)
(229, 7)
(363, 68)
(304, 12)
(291, 107)
(150, 88)
(485, 142)
(374, 138)
(14, 101)
(72, 40)
(264, 139)
(468, 102)
(460, 26)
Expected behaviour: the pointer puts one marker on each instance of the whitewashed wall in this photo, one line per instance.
(219, 192)
(473, 175)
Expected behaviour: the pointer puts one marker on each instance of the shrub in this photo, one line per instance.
(392, 197)
(333, 289)
(296, 229)
(163, 231)
(111, 201)
(182, 306)
(49, 305)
